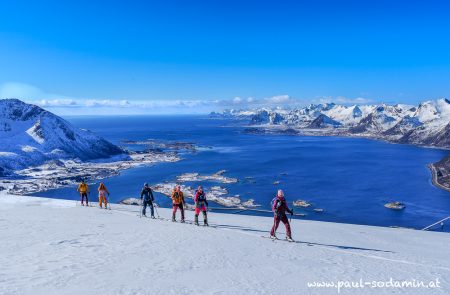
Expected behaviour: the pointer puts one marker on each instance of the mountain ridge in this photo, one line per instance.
(31, 136)
(426, 124)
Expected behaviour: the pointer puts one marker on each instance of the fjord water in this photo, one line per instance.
(350, 178)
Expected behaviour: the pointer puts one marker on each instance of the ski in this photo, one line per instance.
(269, 237)
(277, 239)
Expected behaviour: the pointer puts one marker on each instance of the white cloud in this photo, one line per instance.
(343, 100)
(278, 99)
(69, 105)
(56, 102)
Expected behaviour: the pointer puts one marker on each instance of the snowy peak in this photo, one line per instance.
(17, 110)
(422, 124)
(323, 121)
(406, 124)
(433, 110)
(31, 135)
(267, 117)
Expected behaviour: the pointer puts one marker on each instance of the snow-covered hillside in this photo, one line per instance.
(427, 124)
(57, 247)
(31, 135)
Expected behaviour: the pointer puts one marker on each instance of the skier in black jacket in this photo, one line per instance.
(147, 199)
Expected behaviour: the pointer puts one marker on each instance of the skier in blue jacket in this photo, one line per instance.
(147, 199)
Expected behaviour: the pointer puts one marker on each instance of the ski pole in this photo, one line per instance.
(141, 208)
(154, 205)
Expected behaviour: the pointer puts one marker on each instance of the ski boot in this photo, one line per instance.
(196, 220)
(173, 218)
(273, 237)
(205, 219)
(289, 239)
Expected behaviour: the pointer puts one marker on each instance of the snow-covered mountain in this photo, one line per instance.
(427, 124)
(232, 113)
(31, 136)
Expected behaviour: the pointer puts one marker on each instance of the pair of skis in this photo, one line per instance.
(142, 208)
(277, 239)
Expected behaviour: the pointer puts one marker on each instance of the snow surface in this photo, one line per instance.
(58, 247)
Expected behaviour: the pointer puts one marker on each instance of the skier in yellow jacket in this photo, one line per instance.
(84, 190)
(178, 202)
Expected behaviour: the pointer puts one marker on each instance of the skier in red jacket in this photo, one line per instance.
(201, 204)
(280, 207)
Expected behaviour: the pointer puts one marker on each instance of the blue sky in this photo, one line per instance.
(189, 56)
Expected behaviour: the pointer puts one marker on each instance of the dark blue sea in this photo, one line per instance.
(350, 178)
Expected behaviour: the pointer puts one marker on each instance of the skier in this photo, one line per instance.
(102, 195)
(178, 202)
(201, 204)
(147, 199)
(84, 190)
(279, 207)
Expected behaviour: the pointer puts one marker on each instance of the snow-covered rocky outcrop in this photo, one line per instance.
(31, 136)
(426, 124)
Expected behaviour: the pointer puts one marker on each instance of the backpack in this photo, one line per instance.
(274, 204)
(177, 197)
(82, 187)
(201, 198)
(147, 191)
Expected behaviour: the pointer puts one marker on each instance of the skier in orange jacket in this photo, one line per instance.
(102, 195)
(178, 202)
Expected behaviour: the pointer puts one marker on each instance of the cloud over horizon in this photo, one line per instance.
(90, 106)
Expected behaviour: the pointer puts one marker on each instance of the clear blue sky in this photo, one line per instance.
(393, 51)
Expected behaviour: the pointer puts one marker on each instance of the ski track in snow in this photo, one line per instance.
(58, 247)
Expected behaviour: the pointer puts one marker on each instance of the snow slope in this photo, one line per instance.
(57, 247)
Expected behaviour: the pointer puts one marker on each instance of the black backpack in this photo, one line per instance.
(201, 198)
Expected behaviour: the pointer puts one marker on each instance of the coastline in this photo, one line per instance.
(63, 173)
(434, 178)
(278, 129)
(322, 133)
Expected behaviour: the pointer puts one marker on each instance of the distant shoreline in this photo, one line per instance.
(278, 129)
(36, 179)
(434, 178)
(319, 133)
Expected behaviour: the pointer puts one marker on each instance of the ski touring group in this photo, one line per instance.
(279, 205)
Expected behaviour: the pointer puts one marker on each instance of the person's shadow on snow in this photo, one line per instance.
(243, 228)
